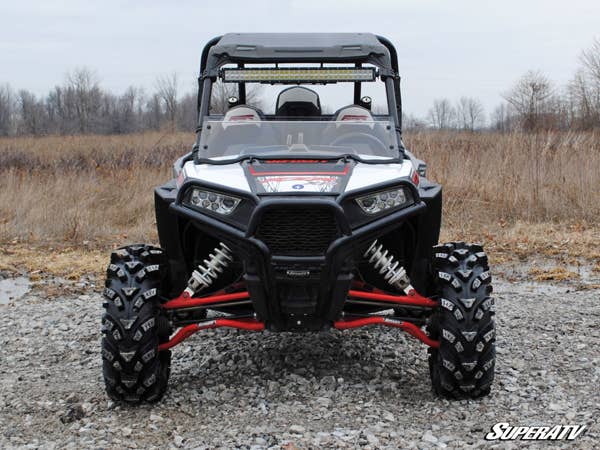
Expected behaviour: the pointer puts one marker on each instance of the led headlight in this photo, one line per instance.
(380, 201)
(211, 201)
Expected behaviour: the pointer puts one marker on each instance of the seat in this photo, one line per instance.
(296, 103)
(242, 113)
(240, 128)
(353, 113)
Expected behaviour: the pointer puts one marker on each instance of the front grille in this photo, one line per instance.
(298, 231)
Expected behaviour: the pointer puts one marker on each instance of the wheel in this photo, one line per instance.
(133, 326)
(463, 366)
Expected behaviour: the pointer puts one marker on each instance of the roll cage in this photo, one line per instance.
(274, 48)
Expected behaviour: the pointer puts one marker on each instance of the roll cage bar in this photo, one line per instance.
(239, 49)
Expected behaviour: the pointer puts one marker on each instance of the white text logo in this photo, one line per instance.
(504, 431)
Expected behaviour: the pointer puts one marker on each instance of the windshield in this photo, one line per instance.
(231, 139)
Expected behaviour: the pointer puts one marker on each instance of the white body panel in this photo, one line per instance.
(364, 175)
(230, 175)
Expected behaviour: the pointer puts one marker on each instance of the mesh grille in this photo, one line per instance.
(298, 231)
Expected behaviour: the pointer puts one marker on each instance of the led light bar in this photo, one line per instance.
(298, 75)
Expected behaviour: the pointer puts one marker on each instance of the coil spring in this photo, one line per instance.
(210, 269)
(384, 263)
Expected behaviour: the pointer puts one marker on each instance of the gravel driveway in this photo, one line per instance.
(367, 388)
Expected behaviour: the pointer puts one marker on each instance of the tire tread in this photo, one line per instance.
(132, 367)
(463, 366)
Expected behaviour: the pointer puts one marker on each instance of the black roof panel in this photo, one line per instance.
(300, 47)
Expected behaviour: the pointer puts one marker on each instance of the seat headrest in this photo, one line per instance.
(242, 114)
(353, 113)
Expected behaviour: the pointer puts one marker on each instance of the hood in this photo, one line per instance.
(298, 175)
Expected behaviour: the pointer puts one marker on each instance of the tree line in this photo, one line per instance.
(533, 103)
(80, 105)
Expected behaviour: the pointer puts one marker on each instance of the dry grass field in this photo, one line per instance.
(519, 194)
(83, 188)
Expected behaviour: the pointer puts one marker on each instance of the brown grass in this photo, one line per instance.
(553, 274)
(41, 263)
(84, 188)
(518, 194)
(501, 179)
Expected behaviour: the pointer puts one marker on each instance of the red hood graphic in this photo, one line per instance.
(298, 175)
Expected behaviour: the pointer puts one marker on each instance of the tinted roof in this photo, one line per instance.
(314, 47)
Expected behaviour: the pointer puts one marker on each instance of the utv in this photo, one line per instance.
(302, 217)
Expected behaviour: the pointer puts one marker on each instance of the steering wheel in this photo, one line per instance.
(359, 138)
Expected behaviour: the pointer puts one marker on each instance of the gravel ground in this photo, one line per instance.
(367, 388)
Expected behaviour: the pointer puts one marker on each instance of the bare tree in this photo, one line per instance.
(83, 91)
(219, 94)
(411, 122)
(167, 91)
(590, 59)
(7, 110)
(469, 113)
(502, 118)
(59, 111)
(442, 115)
(128, 108)
(530, 97)
(188, 112)
(584, 89)
(108, 119)
(584, 95)
(153, 113)
(222, 91)
(32, 113)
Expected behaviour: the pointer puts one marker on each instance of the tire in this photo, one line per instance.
(463, 366)
(133, 326)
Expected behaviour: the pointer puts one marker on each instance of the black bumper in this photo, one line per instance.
(295, 292)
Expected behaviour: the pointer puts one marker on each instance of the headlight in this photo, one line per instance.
(380, 201)
(211, 201)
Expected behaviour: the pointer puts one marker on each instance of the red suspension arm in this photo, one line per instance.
(187, 331)
(188, 302)
(412, 299)
(410, 328)
(255, 325)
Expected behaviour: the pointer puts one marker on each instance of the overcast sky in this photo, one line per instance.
(446, 48)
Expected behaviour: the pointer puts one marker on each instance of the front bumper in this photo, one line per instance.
(298, 292)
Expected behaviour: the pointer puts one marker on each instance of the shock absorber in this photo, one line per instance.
(209, 270)
(385, 264)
